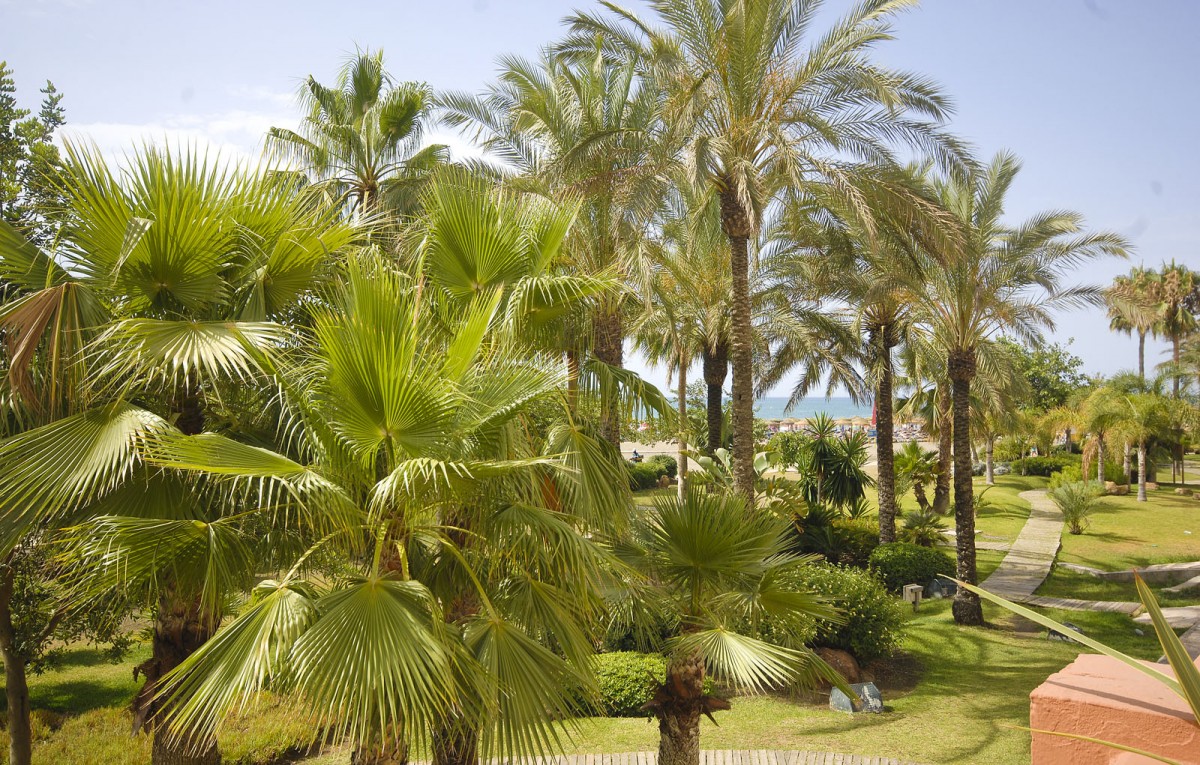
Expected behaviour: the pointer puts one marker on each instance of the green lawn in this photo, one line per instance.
(1125, 533)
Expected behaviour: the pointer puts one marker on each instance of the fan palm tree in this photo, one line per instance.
(1002, 279)
(765, 115)
(361, 138)
(1176, 288)
(173, 273)
(715, 569)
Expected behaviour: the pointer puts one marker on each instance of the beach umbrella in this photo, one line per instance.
(860, 421)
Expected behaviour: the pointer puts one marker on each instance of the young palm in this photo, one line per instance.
(766, 115)
(1003, 279)
(715, 570)
(174, 273)
(361, 139)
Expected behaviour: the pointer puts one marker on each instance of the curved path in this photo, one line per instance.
(1028, 561)
(710, 757)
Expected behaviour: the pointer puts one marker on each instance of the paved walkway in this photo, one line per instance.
(710, 757)
(1028, 561)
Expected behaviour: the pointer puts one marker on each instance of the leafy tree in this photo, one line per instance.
(1003, 278)
(28, 159)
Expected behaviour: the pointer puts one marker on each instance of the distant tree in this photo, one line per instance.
(1053, 372)
(28, 157)
(1131, 308)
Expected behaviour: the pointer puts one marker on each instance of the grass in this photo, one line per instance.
(1125, 533)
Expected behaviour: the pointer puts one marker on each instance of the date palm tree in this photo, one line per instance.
(1132, 308)
(1003, 279)
(360, 140)
(169, 281)
(767, 116)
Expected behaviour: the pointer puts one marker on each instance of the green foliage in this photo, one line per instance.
(874, 619)
(838, 539)
(791, 445)
(1052, 371)
(29, 159)
(1043, 466)
(626, 680)
(1077, 500)
(668, 463)
(923, 527)
(1068, 474)
(644, 475)
(901, 563)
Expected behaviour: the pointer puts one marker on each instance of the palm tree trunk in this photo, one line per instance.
(16, 684)
(1127, 464)
(609, 347)
(884, 449)
(1141, 497)
(941, 487)
(990, 462)
(573, 380)
(1100, 458)
(678, 704)
(681, 404)
(455, 742)
(735, 220)
(967, 607)
(388, 753)
(180, 627)
(716, 368)
(1142, 354)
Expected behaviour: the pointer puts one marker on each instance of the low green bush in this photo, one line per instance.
(874, 619)
(670, 466)
(901, 563)
(1077, 500)
(1043, 466)
(859, 538)
(644, 475)
(627, 679)
(1069, 474)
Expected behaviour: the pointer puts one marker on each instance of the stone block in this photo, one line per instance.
(870, 700)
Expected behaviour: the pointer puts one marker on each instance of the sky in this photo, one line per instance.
(1097, 97)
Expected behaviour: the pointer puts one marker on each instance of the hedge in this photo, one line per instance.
(874, 619)
(901, 563)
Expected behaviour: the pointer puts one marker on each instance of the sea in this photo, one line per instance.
(774, 408)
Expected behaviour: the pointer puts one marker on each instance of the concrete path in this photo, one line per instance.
(1191, 641)
(1071, 604)
(710, 757)
(1028, 561)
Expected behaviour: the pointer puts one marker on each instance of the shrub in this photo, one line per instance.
(1069, 474)
(1042, 466)
(1076, 501)
(874, 620)
(644, 475)
(668, 463)
(626, 680)
(858, 538)
(922, 527)
(901, 563)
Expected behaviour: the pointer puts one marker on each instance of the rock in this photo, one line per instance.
(845, 664)
(1151, 486)
(1184, 492)
(941, 587)
(664, 481)
(869, 697)
(1138, 632)
(1110, 487)
(1122, 490)
(1056, 635)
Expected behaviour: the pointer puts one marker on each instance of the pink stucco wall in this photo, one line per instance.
(1100, 697)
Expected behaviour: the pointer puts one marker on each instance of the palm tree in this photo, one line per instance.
(1140, 417)
(1002, 279)
(766, 116)
(177, 271)
(1132, 308)
(1176, 288)
(361, 138)
(582, 124)
(715, 569)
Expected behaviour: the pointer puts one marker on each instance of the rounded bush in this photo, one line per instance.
(1043, 466)
(644, 475)
(627, 680)
(667, 462)
(874, 619)
(901, 563)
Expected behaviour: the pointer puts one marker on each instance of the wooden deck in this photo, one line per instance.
(711, 757)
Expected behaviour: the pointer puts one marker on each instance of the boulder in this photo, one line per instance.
(1110, 487)
(1122, 489)
(869, 699)
(664, 481)
(1184, 492)
(1151, 486)
(843, 662)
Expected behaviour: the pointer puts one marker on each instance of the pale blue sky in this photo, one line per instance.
(1098, 97)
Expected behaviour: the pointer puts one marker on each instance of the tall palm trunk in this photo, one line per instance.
(681, 404)
(16, 684)
(678, 704)
(388, 753)
(990, 453)
(609, 347)
(941, 487)
(1100, 457)
(1142, 354)
(735, 221)
(884, 447)
(1127, 463)
(181, 626)
(716, 368)
(967, 607)
(1141, 497)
